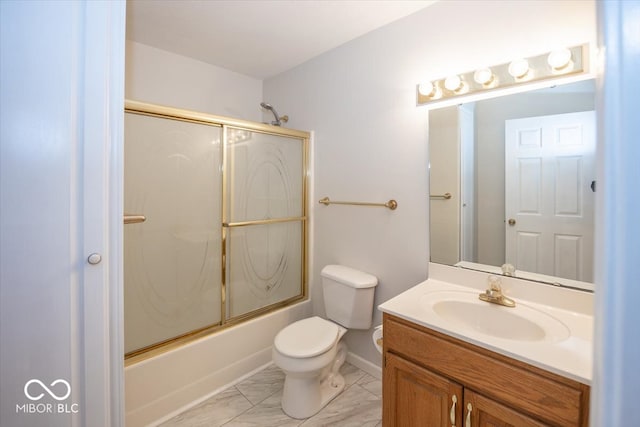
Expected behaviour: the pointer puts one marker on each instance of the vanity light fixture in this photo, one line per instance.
(551, 65)
(427, 89)
(484, 76)
(430, 90)
(559, 59)
(453, 83)
(519, 68)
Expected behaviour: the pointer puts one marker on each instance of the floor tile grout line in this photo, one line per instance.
(318, 415)
(356, 382)
(372, 394)
(246, 410)
(253, 405)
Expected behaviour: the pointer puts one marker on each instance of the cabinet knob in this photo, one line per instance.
(467, 423)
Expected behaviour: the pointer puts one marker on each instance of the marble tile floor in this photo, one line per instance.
(256, 402)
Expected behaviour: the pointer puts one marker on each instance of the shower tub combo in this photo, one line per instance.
(216, 236)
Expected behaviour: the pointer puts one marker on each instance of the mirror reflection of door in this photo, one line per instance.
(549, 202)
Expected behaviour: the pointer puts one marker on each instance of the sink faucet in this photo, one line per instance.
(494, 293)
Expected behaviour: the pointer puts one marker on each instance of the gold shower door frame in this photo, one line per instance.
(226, 124)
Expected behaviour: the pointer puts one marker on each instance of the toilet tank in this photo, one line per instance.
(348, 296)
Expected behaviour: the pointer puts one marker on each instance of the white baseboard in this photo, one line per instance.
(361, 363)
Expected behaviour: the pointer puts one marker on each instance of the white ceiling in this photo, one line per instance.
(258, 38)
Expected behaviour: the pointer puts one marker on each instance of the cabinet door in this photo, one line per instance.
(415, 396)
(480, 411)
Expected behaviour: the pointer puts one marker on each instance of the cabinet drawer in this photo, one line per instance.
(546, 396)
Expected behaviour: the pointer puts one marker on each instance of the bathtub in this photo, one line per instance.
(161, 387)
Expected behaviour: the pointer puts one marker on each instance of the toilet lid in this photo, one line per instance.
(307, 338)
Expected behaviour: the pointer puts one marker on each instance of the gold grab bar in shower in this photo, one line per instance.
(134, 219)
(391, 204)
(445, 196)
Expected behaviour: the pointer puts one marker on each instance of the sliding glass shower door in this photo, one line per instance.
(215, 214)
(264, 220)
(172, 260)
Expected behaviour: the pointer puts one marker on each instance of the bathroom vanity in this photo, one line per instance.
(450, 359)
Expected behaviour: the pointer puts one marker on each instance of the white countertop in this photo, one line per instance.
(570, 357)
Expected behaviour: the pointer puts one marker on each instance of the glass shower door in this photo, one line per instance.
(172, 269)
(264, 221)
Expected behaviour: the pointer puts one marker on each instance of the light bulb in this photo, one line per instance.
(453, 83)
(483, 76)
(559, 59)
(427, 89)
(519, 68)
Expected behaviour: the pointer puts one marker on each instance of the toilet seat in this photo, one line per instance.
(307, 338)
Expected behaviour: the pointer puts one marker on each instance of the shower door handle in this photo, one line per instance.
(134, 219)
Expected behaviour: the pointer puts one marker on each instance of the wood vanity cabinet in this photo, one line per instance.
(433, 380)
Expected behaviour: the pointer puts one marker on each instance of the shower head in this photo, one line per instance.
(278, 120)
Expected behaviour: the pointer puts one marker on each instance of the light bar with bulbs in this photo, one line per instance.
(561, 62)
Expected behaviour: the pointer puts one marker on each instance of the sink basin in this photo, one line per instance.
(464, 310)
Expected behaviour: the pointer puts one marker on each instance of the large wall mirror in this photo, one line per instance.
(512, 183)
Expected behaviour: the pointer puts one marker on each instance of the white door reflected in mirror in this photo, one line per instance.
(468, 158)
(549, 165)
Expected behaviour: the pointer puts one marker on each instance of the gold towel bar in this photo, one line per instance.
(391, 204)
(445, 196)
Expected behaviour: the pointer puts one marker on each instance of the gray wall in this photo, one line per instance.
(371, 140)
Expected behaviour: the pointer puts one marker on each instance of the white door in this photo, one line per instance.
(61, 108)
(549, 198)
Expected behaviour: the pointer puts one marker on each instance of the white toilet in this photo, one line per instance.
(309, 351)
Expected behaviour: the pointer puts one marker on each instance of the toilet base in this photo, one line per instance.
(304, 397)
